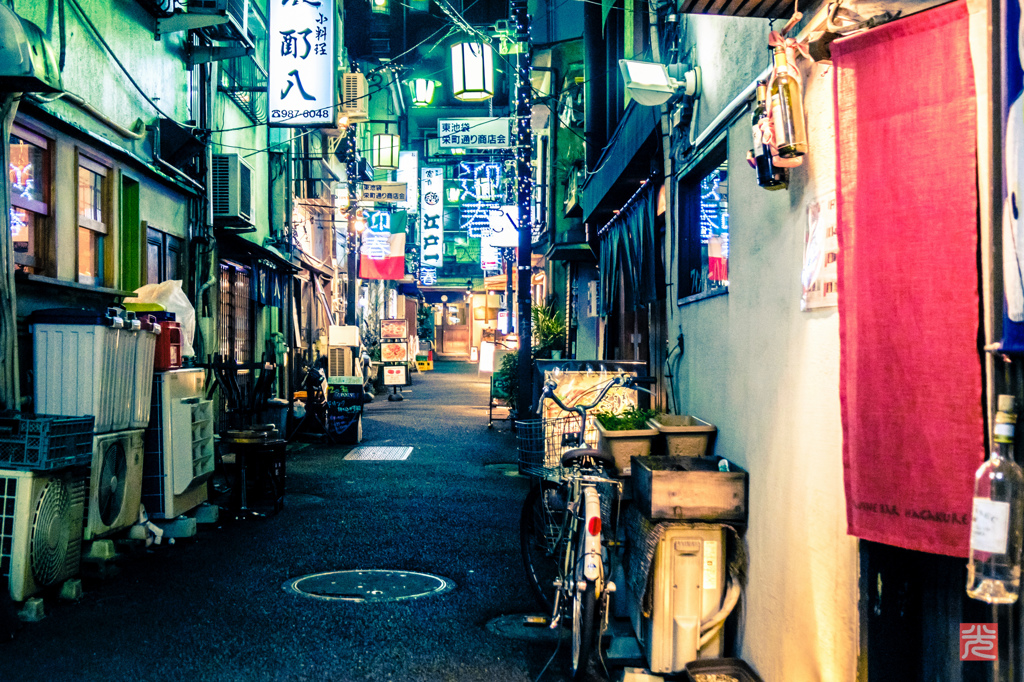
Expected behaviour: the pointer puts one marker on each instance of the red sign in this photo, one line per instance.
(979, 641)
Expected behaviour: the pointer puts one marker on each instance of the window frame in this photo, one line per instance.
(101, 229)
(42, 230)
(687, 187)
(166, 244)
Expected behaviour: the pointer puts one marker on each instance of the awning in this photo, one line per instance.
(571, 251)
(238, 247)
(452, 296)
(603, 188)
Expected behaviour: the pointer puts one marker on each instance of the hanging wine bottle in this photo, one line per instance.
(787, 110)
(997, 518)
(768, 176)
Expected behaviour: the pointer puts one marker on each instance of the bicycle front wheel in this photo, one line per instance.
(586, 628)
(542, 534)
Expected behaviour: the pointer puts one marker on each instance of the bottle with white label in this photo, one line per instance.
(997, 520)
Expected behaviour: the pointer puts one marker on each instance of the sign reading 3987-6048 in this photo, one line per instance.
(302, 86)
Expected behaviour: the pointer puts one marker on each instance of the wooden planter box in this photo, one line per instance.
(689, 488)
(624, 445)
(685, 435)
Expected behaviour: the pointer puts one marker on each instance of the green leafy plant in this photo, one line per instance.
(630, 419)
(506, 379)
(548, 330)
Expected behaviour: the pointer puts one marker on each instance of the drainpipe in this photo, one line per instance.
(10, 390)
(595, 88)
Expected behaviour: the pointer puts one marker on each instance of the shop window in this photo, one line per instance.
(704, 229)
(93, 218)
(164, 257)
(29, 173)
(236, 312)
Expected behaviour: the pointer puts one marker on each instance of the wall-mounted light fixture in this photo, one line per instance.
(422, 91)
(472, 72)
(652, 84)
(380, 6)
(385, 150)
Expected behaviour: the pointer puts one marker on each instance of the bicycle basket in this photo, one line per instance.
(542, 442)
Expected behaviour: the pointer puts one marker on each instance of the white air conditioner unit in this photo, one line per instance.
(178, 444)
(688, 585)
(42, 516)
(115, 488)
(236, 12)
(355, 101)
(231, 186)
(340, 362)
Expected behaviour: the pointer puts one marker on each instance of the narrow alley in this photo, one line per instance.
(213, 607)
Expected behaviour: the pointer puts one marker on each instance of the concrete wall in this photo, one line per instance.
(767, 375)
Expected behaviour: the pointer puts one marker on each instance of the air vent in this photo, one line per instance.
(355, 102)
(231, 185)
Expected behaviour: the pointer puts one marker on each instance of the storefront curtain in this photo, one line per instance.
(910, 372)
(629, 249)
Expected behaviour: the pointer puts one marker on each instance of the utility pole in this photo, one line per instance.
(524, 196)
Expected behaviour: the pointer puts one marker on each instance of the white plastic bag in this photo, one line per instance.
(172, 297)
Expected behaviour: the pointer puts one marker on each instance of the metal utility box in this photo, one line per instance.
(688, 583)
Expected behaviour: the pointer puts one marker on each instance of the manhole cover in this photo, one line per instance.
(372, 585)
(522, 626)
(504, 469)
(377, 452)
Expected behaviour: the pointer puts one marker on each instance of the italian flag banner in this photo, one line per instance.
(383, 253)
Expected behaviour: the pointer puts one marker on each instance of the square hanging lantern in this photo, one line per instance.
(379, 6)
(385, 151)
(472, 72)
(422, 91)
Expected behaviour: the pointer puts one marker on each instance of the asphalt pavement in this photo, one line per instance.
(213, 607)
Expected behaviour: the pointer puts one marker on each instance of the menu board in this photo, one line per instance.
(394, 329)
(394, 375)
(394, 351)
(345, 408)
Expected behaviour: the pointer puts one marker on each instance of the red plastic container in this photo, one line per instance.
(168, 346)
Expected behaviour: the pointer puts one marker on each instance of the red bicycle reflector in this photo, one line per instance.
(594, 525)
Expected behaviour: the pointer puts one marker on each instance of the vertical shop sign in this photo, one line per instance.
(821, 255)
(302, 39)
(431, 222)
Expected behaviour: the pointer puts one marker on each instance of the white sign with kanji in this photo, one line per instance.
(431, 218)
(302, 54)
(385, 192)
(478, 133)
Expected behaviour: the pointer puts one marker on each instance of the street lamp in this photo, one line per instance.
(472, 71)
(422, 91)
(652, 84)
(385, 150)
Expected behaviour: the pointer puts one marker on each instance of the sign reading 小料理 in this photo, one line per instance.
(478, 133)
(302, 55)
(431, 217)
(385, 192)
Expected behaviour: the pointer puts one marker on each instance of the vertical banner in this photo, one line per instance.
(431, 223)
(382, 255)
(302, 87)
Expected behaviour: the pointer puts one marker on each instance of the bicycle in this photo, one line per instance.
(564, 519)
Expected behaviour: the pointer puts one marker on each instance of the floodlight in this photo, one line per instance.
(652, 84)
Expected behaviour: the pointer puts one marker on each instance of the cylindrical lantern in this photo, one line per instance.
(385, 151)
(422, 91)
(472, 72)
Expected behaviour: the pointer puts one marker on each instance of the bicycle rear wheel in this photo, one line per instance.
(586, 628)
(542, 533)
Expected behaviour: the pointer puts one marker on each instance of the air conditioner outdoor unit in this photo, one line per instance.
(355, 103)
(231, 187)
(178, 444)
(41, 519)
(236, 11)
(688, 586)
(115, 488)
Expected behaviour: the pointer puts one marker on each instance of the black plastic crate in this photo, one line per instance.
(735, 668)
(43, 442)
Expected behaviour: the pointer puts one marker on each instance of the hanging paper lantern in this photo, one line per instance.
(422, 91)
(472, 72)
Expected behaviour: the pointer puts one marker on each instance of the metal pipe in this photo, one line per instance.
(82, 104)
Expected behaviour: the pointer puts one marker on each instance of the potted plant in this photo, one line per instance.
(625, 435)
(548, 332)
(685, 435)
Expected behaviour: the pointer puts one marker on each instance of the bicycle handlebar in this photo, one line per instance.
(623, 380)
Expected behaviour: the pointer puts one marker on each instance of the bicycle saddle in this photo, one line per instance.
(572, 455)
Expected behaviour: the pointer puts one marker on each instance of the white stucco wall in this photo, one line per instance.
(767, 375)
